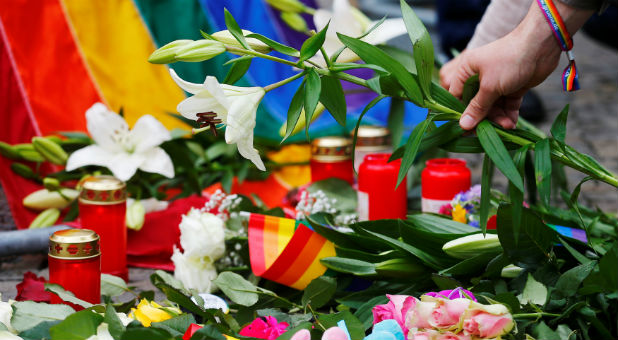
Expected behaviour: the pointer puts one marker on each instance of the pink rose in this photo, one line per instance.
(264, 328)
(334, 333)
(303, 334)
(396, 309)
(447, 313)
(428, 334)
(450, 294)
(487, 321)
(418, 317)
(453, 336)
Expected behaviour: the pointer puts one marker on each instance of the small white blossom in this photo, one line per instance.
(311, 203)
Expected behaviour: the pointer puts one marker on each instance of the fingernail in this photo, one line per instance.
(466, 122)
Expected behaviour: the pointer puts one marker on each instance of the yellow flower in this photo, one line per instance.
(148, 312)
(459, 214)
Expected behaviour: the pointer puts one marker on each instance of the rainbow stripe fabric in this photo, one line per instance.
(570, 79)
(286, 251)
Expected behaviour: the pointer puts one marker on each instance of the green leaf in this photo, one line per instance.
(439, 224)
(373, 55)
(237, 70)
(493, 146)
(339, 190)
(333, 98)
(517, 197)
(77, 326)
(149, 333)
(443, 97)
(533, 245)
(296, 106)
(312, 45)
(209, 332)
(115, 326)
(542, 170)
(38, 332)
(414, 141)
(542, 331)
(27, 314)
(112, 286)
(358, 122)
(534, 292)
(569, 282)
(168, 279)
(354, 326)
(395, 121)
(486, 176)
(313, 88)
(471, 87)
(235, 30)
(176, 326)
(339, 67)
(349, 266)
(66, 295)
(237, 288)
(319, 291)
(364, 312)
(287, 50)
(558, 128)
(471, 266)
(606, 278)
(423, 47)
(290, 332)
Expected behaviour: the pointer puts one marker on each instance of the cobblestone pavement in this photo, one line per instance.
(592, 129)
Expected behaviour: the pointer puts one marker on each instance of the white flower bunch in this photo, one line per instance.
(311, 203)
(222, 204)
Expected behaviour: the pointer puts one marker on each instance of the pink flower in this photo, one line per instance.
(264, 328)
(428, 334)
(396, 309)
(334, 333)
(418, 317)
(487, 321)
(303, 334)
(458, 292)
(453, 336)
(447, 314)
(446, 209)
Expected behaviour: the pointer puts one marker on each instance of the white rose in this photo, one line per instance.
(6, 312)
(202, 234)
(195, 272)
(102, 333)
(6, 335)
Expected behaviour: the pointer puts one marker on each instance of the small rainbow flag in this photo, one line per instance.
(286, 251)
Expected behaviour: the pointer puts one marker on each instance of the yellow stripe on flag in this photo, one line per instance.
(286, 231)
(316, 268)
(116, 46)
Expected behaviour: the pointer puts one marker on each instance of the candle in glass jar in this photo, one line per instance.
(331, 157)
(378, 196)
(441, 180)
(102, 208)
(75, 263)
(371, 139)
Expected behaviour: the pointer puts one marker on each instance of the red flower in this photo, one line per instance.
(32, 288)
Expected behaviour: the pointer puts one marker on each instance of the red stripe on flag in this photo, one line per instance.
(256, 244)
(307, 255)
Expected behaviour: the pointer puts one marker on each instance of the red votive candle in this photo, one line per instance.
(102, 208)
(75, 264)
(331, 157)
(377, 196)
(441, 180)
(371, 139)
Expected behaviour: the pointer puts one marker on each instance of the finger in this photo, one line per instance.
(465, 69)
(498, 114)
(446, 72)
(479, 107)
(511, 107)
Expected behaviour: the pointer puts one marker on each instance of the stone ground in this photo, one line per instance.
(592, 129)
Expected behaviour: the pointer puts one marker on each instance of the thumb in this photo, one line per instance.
(478, 108)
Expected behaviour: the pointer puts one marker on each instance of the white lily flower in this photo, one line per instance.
(346, 19)
(121, 150)
(235, 106)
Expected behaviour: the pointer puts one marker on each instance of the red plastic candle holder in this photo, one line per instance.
(75, 264)
(102, 208)
(441, 180)
(378, 196)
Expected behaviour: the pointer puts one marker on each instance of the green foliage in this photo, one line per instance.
(77, 326)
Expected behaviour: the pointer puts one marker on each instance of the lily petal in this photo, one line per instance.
(190, 107)
(192, 88)
(246, 149)
(241, 117)
(159, 162)
(148, 133)
(104, 126)
(389, 29)
(89, 155)
(124, 165)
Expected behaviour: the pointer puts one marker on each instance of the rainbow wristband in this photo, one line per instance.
(570, 81)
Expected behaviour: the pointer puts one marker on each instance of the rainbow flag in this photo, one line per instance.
(286, 251)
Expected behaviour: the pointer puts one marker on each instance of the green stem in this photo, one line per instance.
(261, 55)
(284, 81)
(534, 315)
(325, 56)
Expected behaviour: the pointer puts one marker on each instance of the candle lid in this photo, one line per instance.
(331, 149)
(372, 136)
(74, 244)
(103, 190)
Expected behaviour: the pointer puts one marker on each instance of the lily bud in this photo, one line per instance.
(399, 268)
(135, 216)
(45, 219)
(300, 124)
(51, 184)
(50, 150)
(228, 39)
(44, 199)
(293, 6)
(8, 151)
(295, 21)
(27, 152)
(200, 50)
(167, 53)
(510, 271)
(23, 170)
(472, 245)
